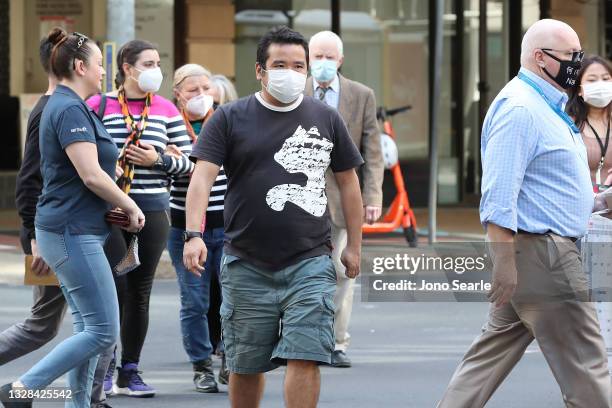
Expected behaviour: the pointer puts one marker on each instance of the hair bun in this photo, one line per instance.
(57, 35)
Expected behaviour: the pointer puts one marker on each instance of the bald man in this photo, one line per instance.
(357, 106)
(536, 201)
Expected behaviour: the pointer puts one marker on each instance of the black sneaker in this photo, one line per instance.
(224, 374)
(9, 400)
(340, 359)
(204, 377)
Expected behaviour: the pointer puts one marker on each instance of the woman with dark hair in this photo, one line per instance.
(589, 106)
(78, 166)
(142, 125)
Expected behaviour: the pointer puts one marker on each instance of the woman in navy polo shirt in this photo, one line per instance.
(78, 166)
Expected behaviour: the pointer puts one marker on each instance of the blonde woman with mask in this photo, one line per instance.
(192, 92)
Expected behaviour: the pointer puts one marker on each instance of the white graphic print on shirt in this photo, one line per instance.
(308, 153)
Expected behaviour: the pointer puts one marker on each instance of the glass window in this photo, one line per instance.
(254, 18)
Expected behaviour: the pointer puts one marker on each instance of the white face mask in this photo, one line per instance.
(150, 80)
(597, 94)
(285, 85)
(199, 106)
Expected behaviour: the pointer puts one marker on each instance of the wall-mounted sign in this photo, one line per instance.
(59, 7)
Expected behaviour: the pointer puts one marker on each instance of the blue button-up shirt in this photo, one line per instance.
(332, 96)
(535, 171)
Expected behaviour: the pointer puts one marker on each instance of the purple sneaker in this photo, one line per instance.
(131, 384)
(108, 379)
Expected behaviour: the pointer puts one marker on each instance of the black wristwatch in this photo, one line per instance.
(187, 235)
(159, 163)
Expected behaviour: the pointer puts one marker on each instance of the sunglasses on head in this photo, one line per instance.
(82, 40)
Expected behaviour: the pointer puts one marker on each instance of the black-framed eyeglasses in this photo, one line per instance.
(577, 56)
(82, 40)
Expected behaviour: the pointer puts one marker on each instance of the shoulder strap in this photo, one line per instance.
(102, 106)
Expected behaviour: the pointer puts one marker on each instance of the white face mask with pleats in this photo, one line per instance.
(199, 105)
(150, 80)
(597, 94)
(285, 85)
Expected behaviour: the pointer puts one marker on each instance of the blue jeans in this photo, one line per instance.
(195, 292)
(88, 286)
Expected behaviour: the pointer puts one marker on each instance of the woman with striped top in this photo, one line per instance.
(142, 125)
(191, 89)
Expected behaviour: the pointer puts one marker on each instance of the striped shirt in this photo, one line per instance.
(164, 126)
(178, 193)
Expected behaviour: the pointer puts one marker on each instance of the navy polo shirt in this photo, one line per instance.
(66, 203)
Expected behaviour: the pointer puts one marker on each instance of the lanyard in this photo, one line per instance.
(604, 150)
(566, 118)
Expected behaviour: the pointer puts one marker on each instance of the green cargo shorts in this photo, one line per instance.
(269, 317)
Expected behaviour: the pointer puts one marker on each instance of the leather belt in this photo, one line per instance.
(520, 231)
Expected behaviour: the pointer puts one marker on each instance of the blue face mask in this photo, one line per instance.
(323, 70)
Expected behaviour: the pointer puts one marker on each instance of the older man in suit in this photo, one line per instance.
(357, 106)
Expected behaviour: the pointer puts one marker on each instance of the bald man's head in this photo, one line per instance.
(545, 44)
(548, 33)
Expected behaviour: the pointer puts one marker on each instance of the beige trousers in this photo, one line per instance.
(549, 307)
(344, 291)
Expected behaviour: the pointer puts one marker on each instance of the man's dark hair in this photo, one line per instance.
(279, 35)
(44, 51)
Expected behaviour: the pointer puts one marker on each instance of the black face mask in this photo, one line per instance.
(568, 72)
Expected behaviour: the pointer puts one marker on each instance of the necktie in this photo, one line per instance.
(322, 92)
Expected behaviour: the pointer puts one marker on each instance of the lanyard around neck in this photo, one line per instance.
(602, 146)
(561, 113)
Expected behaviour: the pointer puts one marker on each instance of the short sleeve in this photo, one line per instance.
(211, 145)
(344, 155)
(75, 125)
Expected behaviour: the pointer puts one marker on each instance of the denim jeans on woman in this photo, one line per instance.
(195, 292)
(87, 283)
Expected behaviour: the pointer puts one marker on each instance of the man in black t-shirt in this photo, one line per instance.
(276, 146)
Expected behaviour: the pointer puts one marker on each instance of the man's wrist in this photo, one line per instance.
(189, 235)
(353, 246)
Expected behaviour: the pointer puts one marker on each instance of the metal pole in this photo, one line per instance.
(335, 17)
(458, 96)
(120, 21)
(483, 82)
(433, 115)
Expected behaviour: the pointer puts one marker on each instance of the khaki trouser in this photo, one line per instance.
(344, 291)
(548, 306)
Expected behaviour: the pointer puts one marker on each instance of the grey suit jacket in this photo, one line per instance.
(357, 106)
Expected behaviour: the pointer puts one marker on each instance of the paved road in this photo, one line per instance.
(403, 354)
